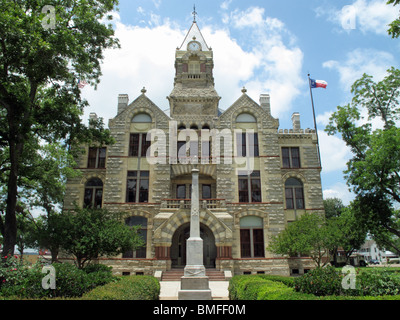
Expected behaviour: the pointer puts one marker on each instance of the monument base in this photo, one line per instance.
(194, 271)
(194, 288)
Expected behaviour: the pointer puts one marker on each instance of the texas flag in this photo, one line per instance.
(318, 83)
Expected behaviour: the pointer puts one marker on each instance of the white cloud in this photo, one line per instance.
(157, 3)
(374, 16)
(324, 118)
(251, 17)
(140, 10)
(371, 16)
(279, 59)
(360, 61)
(334, 152)
(146, 59)
(147, 55)
(225, 4)
(339, 190)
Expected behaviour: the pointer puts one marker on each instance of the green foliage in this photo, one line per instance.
(307, 236)
(287, 281)
(40, 100)
(20, 280)
(394, 29)
(261, 287)
(346, 232)
(373, 171)
(127, 288)
(378, 283)
(368, 282)
(90, 233)
(333, 207)
(320, 282)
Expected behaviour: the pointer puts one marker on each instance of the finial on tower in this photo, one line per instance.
(194, 13)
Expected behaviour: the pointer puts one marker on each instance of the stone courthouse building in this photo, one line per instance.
(254, 178)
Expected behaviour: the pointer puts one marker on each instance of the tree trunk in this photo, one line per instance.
(10, 223)
(54, 254)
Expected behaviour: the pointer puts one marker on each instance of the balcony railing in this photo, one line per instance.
(186, 203)
(194, 76)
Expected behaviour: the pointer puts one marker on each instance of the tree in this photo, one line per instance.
(91, 233)
(333, 207)
(346, 232)
(373, 171)
(49, 233)
(44, 52)
(307, 236)
(25, 229)
(394, 29)
(382, 220)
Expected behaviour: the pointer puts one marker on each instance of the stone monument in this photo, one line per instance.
(194, 283)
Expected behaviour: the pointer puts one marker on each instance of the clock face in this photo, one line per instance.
(194, 46)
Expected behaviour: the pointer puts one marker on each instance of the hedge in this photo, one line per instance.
(20, 281)
(264, 287)
(127, 288)
(328, 281)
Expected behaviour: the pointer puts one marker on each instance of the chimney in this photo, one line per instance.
(123, 100)
(296, 121)
(265, 102)
(92, 116)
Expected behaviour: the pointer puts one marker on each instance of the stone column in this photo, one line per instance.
(194, 245)
(194, 283)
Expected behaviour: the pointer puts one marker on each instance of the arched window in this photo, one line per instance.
(251, 237)
(142, 222)
(93, 194)
(294, 194)
(141, 118)
(247, 141)
(246, 117)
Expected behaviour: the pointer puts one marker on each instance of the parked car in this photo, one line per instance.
(373, 261)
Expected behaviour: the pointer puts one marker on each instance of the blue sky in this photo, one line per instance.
(266, 46)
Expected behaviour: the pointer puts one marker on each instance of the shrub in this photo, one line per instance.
(127, 288)
(19, 280)
(288, 281)
(377, 283)
(14, 277)
(273, 290)
(97, 267)
(260, 287)
(236, 285)
(369, 282)
(320, 282)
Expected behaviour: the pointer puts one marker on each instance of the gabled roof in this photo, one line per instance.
(194, 32)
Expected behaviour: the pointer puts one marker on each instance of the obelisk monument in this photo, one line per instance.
(194, 283)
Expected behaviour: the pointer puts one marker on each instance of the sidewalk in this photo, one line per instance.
(169, 290)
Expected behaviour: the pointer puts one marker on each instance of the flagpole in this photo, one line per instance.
(315, 122)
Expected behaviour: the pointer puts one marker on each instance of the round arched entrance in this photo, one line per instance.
(178, 248)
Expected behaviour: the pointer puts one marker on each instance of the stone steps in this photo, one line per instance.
(176, 274)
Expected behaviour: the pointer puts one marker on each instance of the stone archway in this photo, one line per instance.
(178, 247)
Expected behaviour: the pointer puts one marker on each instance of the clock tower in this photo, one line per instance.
(193, 100)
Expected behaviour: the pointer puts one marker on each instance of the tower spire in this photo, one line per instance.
(194, 13)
